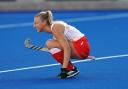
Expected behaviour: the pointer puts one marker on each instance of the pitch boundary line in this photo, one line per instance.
(56, 64)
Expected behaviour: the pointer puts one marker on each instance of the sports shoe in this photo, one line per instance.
(73, 72)
(68, 74)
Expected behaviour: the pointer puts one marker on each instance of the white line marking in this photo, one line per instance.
(16, 25)
(93, 18)
(50, 65)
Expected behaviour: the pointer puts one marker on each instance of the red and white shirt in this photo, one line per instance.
(70, 32)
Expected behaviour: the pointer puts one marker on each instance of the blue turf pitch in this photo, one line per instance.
(107, 32)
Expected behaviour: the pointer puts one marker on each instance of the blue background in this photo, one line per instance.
(107, 37)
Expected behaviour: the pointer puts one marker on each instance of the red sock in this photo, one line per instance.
(58, 56)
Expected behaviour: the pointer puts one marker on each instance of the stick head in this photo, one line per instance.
(27, 43)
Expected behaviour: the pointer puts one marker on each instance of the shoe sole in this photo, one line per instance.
(73, 75)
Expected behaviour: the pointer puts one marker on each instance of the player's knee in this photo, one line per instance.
(49, 44)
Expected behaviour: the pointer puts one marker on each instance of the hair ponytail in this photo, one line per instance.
(50, 17)
(47, 15)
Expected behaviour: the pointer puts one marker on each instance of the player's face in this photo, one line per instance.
(38, 24)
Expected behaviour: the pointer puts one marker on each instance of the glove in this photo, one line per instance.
(63, 73)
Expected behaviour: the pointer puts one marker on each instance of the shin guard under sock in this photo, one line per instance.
(58, 55)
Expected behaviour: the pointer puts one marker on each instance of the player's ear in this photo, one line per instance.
(44, 23)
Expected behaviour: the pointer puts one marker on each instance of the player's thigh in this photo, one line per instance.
(53, 43)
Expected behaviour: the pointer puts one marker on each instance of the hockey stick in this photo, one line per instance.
(29, 45)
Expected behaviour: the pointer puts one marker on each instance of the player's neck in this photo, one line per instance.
(48, 29)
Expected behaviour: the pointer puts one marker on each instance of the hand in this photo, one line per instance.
(63, 73)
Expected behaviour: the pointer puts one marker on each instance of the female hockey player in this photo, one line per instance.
(68, 42)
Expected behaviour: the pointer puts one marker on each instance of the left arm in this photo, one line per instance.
(58, 32)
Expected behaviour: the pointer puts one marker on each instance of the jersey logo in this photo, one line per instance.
(82, 43)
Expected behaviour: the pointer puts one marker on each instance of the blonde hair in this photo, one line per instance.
(46, 15)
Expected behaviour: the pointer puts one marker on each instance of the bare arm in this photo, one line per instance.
(58, 32)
